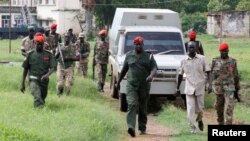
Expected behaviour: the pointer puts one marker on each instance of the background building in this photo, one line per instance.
(234, 24)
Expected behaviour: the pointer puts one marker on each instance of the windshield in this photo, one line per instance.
(157, 42)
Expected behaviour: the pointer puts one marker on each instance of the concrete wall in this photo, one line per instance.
(62, 12)
(234, 24)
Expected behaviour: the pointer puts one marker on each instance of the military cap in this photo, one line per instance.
(81, 35)
(103, 32)
(192, 35)
(53, 26)
(46, 28)
(138, 40)
(223, 47)
(31, 28)
(39, 39)
(38, 34)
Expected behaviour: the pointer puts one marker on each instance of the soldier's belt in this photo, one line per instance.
(33, 77)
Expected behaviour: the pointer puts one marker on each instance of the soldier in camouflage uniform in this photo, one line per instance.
(28, 43)
(141, 68)
(101, 53)
(40, 65)
(83, 50)
(49, 39)
(65, 67)
(72, 36)
(56, 38)
(224, 82)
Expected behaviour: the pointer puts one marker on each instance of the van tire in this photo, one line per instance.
(123, 103)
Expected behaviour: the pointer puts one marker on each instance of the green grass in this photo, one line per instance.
(84, 115)
(15, 54)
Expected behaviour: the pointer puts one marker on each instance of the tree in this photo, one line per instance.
(243, 5)
(225, 5)
(192, 6)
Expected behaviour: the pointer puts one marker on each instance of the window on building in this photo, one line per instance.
(14, 2)
(5, 20)
(47, 1)
(47, 23)
(18, 20)
(35, 2)
(18, 2)
(40, 1)
(54, 1)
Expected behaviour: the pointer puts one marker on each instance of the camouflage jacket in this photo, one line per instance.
(83, 50)
(224, 75)
(56, 38)
(101, 52)
(27, 44)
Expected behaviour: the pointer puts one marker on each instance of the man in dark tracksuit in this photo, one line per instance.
(141, 67)
(40, 65)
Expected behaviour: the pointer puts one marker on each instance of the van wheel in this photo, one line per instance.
(123, 103)
(114, 91)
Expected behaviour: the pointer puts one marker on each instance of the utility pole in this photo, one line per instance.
(221, 16)
(10, 26)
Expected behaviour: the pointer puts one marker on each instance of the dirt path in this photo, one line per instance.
(155, 131)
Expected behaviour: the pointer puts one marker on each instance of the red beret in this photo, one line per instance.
(138, 39)
(102, 32)
(223, 47)
(53, 26)
(192, 35)
(39, 39)
(38, 34)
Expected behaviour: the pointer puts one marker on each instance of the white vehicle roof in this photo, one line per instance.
(151, 29)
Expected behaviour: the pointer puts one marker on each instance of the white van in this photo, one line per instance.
(161, 30)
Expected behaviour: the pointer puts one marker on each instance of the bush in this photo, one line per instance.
(197, 21)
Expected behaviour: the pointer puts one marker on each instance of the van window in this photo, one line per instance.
(157, 42)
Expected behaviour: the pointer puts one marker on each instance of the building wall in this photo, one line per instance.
(234, 24)
(61, 12)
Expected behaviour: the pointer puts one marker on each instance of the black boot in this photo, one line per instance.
(102, 85)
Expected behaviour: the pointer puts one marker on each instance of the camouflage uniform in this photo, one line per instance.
(65, 71)
(55, 39)
(224, 75)
(137, 88)
(101, 52)
(38, 64)
(27, 45)
(83, 49)
(49, 42)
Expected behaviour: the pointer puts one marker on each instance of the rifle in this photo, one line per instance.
(93, 63)
(60, 52)
(236, 95)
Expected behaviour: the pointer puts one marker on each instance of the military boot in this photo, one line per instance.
(59, 91)
(102, 85)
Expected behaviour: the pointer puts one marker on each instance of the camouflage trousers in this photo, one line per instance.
(137, 99)
(224, 106)
(39, 90)
(65, 78)
(82, 68)
(101, 75)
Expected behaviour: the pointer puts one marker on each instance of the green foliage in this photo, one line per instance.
(218, 5)
(193, 6)
(90, 35)
(243, 5)
(197, 21)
